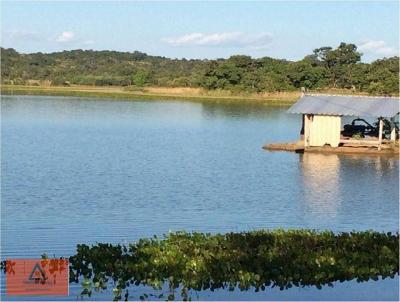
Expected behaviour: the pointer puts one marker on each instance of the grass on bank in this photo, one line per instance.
(151, 93)
(163, 93)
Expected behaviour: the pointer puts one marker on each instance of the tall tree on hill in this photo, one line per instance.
(339, 63)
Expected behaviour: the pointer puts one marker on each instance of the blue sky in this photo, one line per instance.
(285, 29)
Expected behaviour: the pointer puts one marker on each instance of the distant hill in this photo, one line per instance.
(324, 68)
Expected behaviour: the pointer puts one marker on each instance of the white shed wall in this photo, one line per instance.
(322, 130)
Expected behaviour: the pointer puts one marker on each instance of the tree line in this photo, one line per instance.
(325, 68)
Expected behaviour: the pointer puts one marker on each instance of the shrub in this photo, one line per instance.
(250, 259)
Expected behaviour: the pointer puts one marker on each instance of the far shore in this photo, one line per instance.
(162, 93)
(152, 93)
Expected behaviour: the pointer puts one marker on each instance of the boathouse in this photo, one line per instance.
(322, 120)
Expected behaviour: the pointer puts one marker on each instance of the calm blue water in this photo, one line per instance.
(78, 170)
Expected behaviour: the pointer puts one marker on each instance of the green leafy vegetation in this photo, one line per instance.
(325, 68)
(256, 259)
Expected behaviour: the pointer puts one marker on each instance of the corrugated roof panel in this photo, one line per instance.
(347, 105)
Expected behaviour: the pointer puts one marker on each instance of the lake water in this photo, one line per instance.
(77, 170)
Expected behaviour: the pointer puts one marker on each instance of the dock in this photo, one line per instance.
(343, 148)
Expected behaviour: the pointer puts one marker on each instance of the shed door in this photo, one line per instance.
(325, 130)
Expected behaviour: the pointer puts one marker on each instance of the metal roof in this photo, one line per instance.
(347, 105)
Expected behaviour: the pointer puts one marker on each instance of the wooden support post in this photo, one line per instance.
(392, 130)
(302, 127)
(303, 91)
(380, 133)
(307, 125)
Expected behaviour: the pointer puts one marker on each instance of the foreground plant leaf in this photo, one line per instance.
(258, 259)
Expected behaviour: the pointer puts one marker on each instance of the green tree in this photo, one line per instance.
(304, 74)
(383, 76)
(141, 77)
(338, 62)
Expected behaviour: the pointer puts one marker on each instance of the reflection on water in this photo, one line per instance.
(321, 180)
(83, 171)
(238, 110)
(350, 191)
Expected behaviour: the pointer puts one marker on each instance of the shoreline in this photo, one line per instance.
(277, 99)
(285, 99)
(184, 94)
